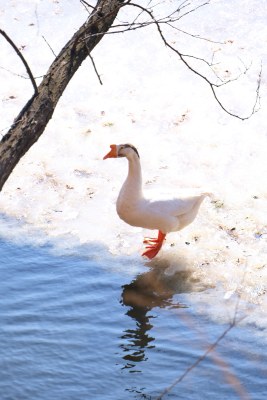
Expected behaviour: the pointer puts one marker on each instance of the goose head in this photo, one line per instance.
(122, 150)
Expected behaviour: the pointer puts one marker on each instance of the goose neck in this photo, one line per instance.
(133, 183)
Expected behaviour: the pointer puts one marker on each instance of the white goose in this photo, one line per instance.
(164, 215)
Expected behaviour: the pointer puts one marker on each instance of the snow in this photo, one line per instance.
(62, 191)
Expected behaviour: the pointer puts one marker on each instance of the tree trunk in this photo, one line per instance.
(32, 120)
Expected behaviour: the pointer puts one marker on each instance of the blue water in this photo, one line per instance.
(73, 328)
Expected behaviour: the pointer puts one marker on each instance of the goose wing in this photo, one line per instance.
(176, 206)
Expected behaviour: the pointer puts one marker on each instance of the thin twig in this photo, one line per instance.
(195, 9)
(138, 25)
(49, 46)
(19, 75)
(232, 324)
(201, 358)
(93, 62)
(258, 103)
(22, 59)
(192, 35)
(86, 4)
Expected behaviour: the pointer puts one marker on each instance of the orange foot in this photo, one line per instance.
(154, 245)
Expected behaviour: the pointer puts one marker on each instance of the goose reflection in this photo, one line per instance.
(155, 288)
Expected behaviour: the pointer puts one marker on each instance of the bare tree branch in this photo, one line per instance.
(33, 118)
(212, 85)
(139, 25)
(169, 20)
(3, 33)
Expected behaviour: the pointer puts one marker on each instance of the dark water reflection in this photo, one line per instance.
(155, 288)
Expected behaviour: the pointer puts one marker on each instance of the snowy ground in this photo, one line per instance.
(62, 191)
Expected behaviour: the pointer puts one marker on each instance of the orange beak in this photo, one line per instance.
(112, 153)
